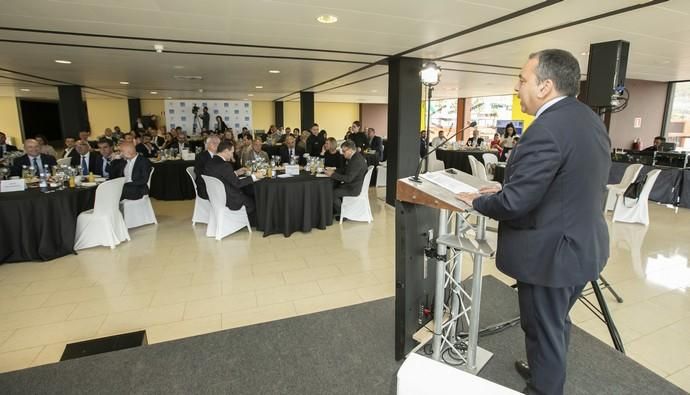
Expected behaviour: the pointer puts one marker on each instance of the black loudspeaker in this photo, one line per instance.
(608, 62)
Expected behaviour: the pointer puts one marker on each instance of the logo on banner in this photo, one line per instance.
(183, 118)
(171, 111)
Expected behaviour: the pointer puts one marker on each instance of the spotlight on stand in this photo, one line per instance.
(430, 76)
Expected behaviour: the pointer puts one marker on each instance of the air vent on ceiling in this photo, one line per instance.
(188, 77)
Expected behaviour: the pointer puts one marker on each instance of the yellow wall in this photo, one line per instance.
(263, 115)
(518, 115)
(154, 107)
(105, 113)
(336, 117)
(9, 121)
(291, 115)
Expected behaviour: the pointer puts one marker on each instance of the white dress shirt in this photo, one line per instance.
(67, 152)
(129, 167)
(38, 161)
(548, 104)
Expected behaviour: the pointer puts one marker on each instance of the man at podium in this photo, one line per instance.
(552, 235)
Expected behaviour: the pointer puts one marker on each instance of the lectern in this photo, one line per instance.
(433, 231)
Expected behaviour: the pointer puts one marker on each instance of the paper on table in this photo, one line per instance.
(284, 175)
(448, 182)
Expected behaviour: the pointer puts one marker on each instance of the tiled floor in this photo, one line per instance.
(174, 282)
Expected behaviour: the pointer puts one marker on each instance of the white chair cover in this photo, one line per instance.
(102, 226)
(202, 207)
(629, 210)
(630, 175)
(139, 212)
(64, 161)
(381, 171)
(357, 208)
(434, 163)
(223, 221)
(490, 161)
(478, 169)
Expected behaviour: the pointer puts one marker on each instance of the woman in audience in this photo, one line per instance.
(229, 136)
(496, 144)
(323, 135)
(160, 139)
(45, 148)
(220, 125)
(507, 143)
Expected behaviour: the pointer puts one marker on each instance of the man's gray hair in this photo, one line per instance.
(559, 66)
(211, 138)
(349, 144)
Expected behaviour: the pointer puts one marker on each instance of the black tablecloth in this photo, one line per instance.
(684, 194)
(38, 226)
(458, 159)
(170, 180)
(667, 187)
(299, 203)
(372, 160)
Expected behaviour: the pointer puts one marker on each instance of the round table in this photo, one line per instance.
(297, 203)
(170, 180)
(38, 226)
(459, 159)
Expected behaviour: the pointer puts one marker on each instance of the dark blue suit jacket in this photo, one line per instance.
(552, 230)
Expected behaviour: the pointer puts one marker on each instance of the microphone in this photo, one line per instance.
(415, 178)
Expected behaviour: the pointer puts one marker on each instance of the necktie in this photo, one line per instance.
(38, 169)
(291, 152)
(106, 168)
(84, 167)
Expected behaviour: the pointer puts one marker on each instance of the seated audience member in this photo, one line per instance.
(117, 134)
(350, 178)
(475, 140)
(45, 148)
(86, 159)
(200, 162)
(496, 144)
(254, 153)
(32, 157)
(108, 135)
(160, 139)
(358, 136)
(302, 139)
(146, 148)
(229, 136)
(658, 140)
(69, 148)
(4, 147)
(290, 149)
(438, 140)
(135, 168)
(84, 136)
(332, 158)
(105, 149)
(181, 143)
(220, 168)
(375, 143)
(128, 138)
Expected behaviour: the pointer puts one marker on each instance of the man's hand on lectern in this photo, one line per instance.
(468, 198)
(490, 189)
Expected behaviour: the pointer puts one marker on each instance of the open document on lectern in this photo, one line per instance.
(441, 179)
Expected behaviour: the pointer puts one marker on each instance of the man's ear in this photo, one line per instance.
(545, 89)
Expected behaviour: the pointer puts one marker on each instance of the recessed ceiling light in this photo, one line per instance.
(178, 67)
(584, 53)
(327, 19)
(25, 90)
(124, 82)
(159, 48)
(169, 97)
(259, 87)
(274, 71)
(201, 91)
(154, 92)
(250, 95)
(63, 61)
(374, 91)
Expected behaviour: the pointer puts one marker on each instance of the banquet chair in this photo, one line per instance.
(435, 164)
(478, 169)
(630, 175)
(490, 161)
(636, 210)
(222, 221)
(139, 212)
(381, 174)
(356, 208)
(202, 207)
(64, 161)
(103, 225)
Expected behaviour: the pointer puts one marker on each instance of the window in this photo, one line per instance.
(678, 117)
(489, 109)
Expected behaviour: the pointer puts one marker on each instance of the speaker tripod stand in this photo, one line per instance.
(602, 312)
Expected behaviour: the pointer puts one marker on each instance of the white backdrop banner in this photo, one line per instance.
(235, 113)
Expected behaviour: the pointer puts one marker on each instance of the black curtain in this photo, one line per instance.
(41, 117)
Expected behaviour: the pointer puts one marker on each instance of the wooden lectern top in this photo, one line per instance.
(429, 194)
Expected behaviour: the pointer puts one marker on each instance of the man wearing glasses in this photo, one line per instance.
(350, 178)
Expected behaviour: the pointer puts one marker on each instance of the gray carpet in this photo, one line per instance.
(343, 351)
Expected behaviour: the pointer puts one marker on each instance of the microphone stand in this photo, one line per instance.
(416, 178)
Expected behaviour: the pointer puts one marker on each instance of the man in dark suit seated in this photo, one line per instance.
(220, 167)
(200, 162)
(4, 147)
(350, 178)
(314, 141)
(552, 236)
(70, 148)
(181, 142)
(135, 168)
(89, 161)
(375, 143)
(475, 140)
(290, 149)
(146, 148)
(33, 157)
(332, 158)
(105, 149)
(658, 140)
